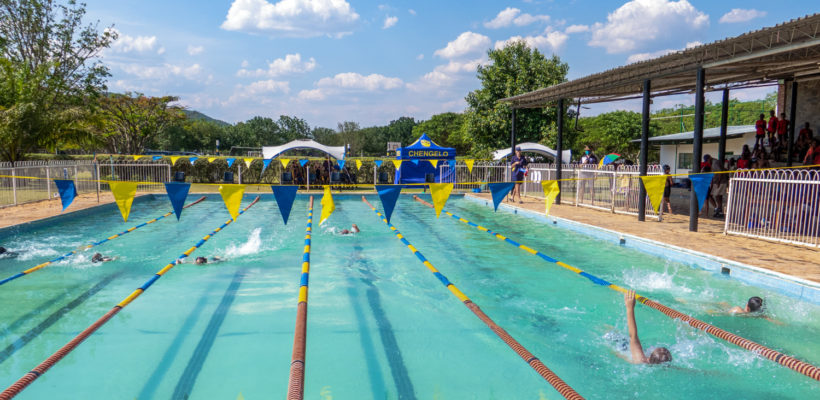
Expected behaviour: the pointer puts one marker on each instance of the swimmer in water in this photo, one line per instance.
(204, 260)
(755, 304)
(659, 355)
(98, 258)
(4, 253)
(353, 229)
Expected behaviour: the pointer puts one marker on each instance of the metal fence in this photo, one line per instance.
(778, 205)
(465, 180)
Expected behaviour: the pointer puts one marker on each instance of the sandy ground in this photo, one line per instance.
(48, 208)
(802, 262)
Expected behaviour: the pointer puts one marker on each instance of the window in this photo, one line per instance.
(685, 161)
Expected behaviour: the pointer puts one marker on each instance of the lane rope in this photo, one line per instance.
(41, 369)
(562, 387)
(88, 246)
(787, 361)
(296, 380)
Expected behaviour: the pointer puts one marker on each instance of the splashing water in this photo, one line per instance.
(251, 246)
(640, 279)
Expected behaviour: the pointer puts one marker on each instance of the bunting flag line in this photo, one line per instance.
(67, 191)
(469, 165)
(155, 158)
(434, 163)
(654, 185)
(302, 162)
(265, 164)
(500, 191)
(285, 195)
(192, 159)
(700, 184)
(397, 163)
(327, 205)
(136, 157)
(177, 193)
(416, 161)
(388, 194)
(378, 163)
(124, 193)
(358, 165)
(285, 162)
(230, 161)
(211, 159)
(451, 163)
(232, 196)
(440, 193)
(551, 190)
(248, 162)
(174, 160)
(341, 164)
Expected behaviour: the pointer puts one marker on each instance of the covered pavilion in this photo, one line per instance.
(270, 152)
(529, 147)
(786, 54)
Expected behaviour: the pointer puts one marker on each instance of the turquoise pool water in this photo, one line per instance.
(379, 324)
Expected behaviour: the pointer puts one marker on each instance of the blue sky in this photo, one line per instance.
(373, 61)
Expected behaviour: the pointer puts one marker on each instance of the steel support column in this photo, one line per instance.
(644, 158)
(559, 147)
(724, 122)
(697, 146)
(512, 135)
(792, 124)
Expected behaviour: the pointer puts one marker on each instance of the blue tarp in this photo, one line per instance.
(421, 150)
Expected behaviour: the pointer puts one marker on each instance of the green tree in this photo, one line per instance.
(513, 70)
(446, 130)
(48, 74)
(613, 132)
(131, 121)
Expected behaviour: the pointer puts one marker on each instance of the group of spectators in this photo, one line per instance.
(776, 131)
(321, 173)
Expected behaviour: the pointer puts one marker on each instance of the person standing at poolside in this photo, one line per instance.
(760, 130)
(588, 158)
(772, 128)
(667, 190)
(659, 355)
(519, 168)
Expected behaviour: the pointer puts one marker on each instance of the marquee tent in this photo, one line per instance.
(422, 150)
(273, 151)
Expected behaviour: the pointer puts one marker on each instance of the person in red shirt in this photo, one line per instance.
(772, 128)
(813, 155)
(804, 140)
(760, 130)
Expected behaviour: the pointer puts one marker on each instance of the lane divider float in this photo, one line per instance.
(296, 380)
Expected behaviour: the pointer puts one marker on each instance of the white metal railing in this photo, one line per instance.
(464, 180)
(538, 173)
(778, 205)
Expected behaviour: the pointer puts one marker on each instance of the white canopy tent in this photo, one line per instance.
(269, 152)
(566, 155)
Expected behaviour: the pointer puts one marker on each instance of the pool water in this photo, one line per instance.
(380, 325)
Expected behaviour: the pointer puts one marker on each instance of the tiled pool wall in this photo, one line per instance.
(791, 286)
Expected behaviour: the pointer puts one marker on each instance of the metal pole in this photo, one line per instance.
(697, 146)
(644, 158)
(792, 122)
(559, 147)
(98, 182)
(239, 170)
(48, 182)
(307, 178)
(512, 135)
(14, 184)
(724, 122)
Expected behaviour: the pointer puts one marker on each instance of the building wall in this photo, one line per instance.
(808, 105)
(672, 154)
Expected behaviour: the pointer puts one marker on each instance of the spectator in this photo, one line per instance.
(588, 179)
(782, 129)
(667, 190)
(720, 182)
(804, 141)
(813, 155)
(772, 127)
(589, 157)
(745, 160)
(706, 164)
(760, 131)
(519, 169)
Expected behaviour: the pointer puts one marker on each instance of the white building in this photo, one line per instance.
(676, 149)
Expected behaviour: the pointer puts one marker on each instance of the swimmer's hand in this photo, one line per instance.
(629, 298)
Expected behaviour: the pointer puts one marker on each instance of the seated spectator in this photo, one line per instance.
(803, 141)
(813, 154)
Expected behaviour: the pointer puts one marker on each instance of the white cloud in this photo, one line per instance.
(648, 56)
(244, 63)
(641, 22)
(390, 21)
(312, 94)
(420, 57)
(550, 40)
(260, 91)
(132, 44)
(161, 51)
(696, 43)
(349, 82)
(194, 50)
(741, 15)
(466, 43)
(577, 29)
(165, 71)
(411, 11)
(510, 16)
(446, 75)
(292, 18)
(291, 64)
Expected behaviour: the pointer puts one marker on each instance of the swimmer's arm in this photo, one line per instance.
(634, 343)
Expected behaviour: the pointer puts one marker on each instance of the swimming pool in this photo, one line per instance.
(379, 324)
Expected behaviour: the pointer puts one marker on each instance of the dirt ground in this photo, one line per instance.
(802, 262)
(48, 208)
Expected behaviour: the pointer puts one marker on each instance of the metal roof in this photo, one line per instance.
(709, 135)
(790, 50)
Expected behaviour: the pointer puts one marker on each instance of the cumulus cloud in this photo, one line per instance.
(291, 64)
(292, 18)
(577, 29)
(446, 74)
(549, 40)
(650, 55)
(194, 50)
(510, 16)
(411, 11)
(741, 15)
(350, 82)
(259, 91)
(390, 21)
(165, 71)
(642, 22)
(132, 44)
(466, 43)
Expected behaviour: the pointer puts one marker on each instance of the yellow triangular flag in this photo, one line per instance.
(469, 164)
(211, 159)
(285, 162)
(327, 205)
(124, 193)
(440, 193)
(232, 196)
(248, 162)
(136, 157)
(358, 165)
(174, 160)
(551, 190)
(240, 397)
(434, 162)
(654, 189)
(397, 163)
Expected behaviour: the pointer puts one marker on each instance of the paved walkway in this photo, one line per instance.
(799, 261)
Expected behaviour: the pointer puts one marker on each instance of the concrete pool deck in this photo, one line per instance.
(797, 261)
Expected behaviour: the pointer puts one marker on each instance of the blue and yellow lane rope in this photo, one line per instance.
(780, 358)
(88, 246)
(536, 364)
(39, 370)
(296, 380)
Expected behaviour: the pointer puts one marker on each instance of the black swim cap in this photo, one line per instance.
(754, 304)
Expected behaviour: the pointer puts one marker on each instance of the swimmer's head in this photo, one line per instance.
(755, 304)
(660, 355)
(201, 260)
(354, 228)
(2, 249)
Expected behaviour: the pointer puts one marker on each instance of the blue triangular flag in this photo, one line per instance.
(415, 162)
(451, 163)
(192, 159)
(700, 184)
(265, 164)
(284, 198)
(341, 164)
(378, 163)
(303, 162)
(230, 161)
(388, 194)
(67, 191)
(177, 193)
(499, 191)
(155, 158)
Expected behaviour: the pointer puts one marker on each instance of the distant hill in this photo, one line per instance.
(191, 114)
